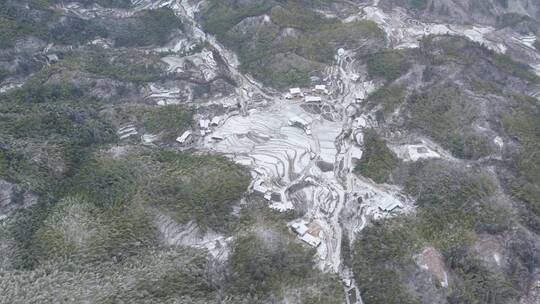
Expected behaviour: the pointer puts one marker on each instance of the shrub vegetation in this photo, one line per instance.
(388, 65)
(453, 206)
(523, 124)
(444, 114)
(389, 97)
(282, 60)
(170, 121)
(378, 160)
(147, 27)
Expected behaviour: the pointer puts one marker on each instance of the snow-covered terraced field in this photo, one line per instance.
(302, 167)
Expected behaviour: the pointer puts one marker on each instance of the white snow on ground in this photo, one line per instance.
(405, 32)
(288, 161)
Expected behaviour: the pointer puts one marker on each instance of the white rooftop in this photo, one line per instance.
(390, 205)
(215, 121)
(204, 123)
(300, 228)
(295, 91)
(182, 139)
(313, 99)
(311, 240)
(259, 187)
(356, 153)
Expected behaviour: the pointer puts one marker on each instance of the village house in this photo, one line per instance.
(389, 206)
(313, 99)
(300, 228)
(204, 124)
(215, 121)
(184, 138)
(296, 92)
(260, 188)
(321, 89)
(311, 240)
(307, 233)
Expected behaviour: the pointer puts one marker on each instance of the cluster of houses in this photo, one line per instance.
(316, 94)
(205, 126)
(314, 97)
(259, 188)
(309, 233)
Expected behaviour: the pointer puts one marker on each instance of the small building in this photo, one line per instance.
(259, 188)
(52, 58)
(276, 197)
(296, 92)
(311, 240)
(389, 206)
(300, 228)
(184, 138)
(215, 121)
(288, 96)
(356, 153)
(320, 88)
(204, 123)
(314, 99)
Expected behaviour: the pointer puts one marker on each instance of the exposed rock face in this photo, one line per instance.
(13, 197)
(432, 261)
